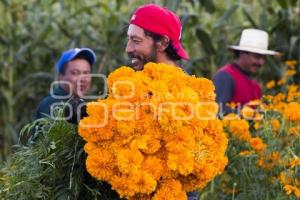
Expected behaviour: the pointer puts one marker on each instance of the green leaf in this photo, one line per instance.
(206, 41)
(221, 21)
(250, 19)
(208, 5)
(283, 3)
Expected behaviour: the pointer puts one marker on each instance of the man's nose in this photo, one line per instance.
(84, 77)
(262, 61)
(129, 47)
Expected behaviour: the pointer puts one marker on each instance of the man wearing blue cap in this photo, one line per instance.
(73, 68)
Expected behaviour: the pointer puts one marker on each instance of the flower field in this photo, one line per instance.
(264, 146)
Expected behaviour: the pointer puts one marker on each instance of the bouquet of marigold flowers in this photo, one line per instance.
(156, 135)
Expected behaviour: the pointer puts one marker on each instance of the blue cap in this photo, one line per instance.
(70, 54)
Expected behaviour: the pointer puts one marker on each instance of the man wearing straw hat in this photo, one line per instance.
(234, 82)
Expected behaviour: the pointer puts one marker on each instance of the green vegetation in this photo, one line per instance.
(34, 33)
(51, 165)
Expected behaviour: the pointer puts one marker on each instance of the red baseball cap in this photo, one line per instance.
(162, 21)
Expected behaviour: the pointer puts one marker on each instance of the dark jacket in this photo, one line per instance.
(74, 107)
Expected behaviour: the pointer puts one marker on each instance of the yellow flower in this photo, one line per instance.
(281, 81)
(291, 72)
(275, 124)
(293, 93)
(294, 131)
(257, 125)
(271, 84)
(248, 112)
(268, 97)
(246, 153)
(239, 129)
(291, 63)
(295, 162)
(284, 178)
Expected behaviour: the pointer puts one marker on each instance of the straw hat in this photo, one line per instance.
(255, 41)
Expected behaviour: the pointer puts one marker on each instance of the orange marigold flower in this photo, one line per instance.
(275, 124)
(294, 131)
(270, 84)
(146, 144)
(154, 166)
(295, 162)
(284, 178)
(288, 189)
(129, 161)
(170, 190)
(183, 162)
(100, 163)
(278, 98)
(154, 134)
(269, 161)
(291, 72)
(291, 63)
(297, 192)
(232, 105)
(240, 129)
(292, 111)
(268, 97)
(281, 82)
(144, 182)
(92, 129)
(248, 112)
(257, 144)
(293, 93)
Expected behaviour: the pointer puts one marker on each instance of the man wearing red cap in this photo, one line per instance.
(154, 36)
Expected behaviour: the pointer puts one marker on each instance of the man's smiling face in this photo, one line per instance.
(251, 62)
(140, 47)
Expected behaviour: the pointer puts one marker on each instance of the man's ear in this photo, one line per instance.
(163, 43)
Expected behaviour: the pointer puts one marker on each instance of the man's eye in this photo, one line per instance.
(136, 41)
(75, 72)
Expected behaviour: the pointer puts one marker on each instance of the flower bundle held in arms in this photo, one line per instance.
(156, 135)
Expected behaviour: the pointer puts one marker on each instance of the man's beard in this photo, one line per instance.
(138, 61)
